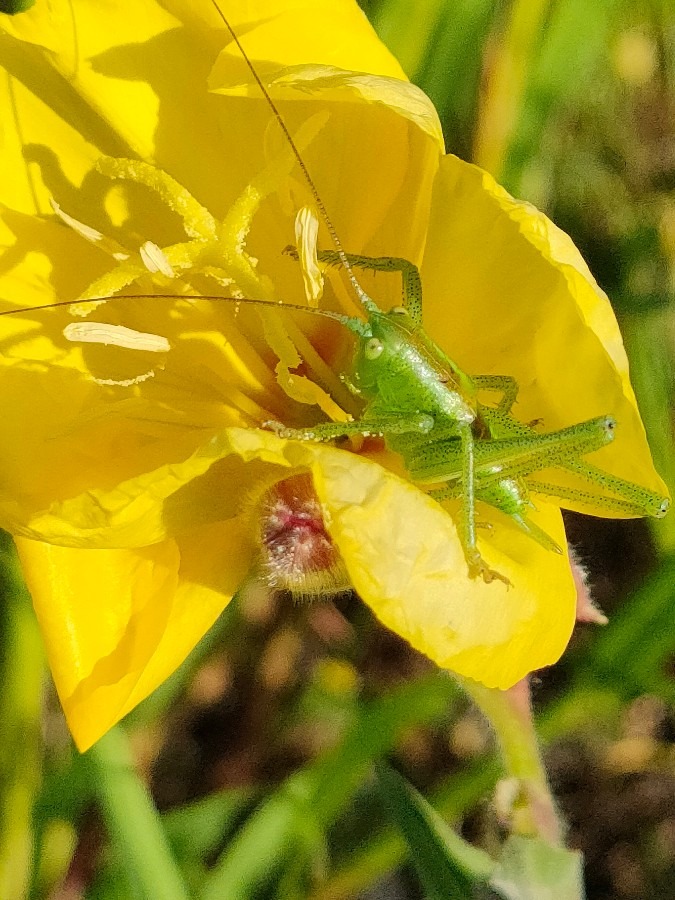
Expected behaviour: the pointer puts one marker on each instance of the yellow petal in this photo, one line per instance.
(404, 557)
(329, 32)
(123, 75)
(158, 463)
(117, 623)
(369, 186)
(414, 576)
(526, 305)
(152, 68)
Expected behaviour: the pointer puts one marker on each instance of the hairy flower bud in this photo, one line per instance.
(297, 552)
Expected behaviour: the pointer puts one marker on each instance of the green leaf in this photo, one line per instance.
(357, 866)
(530, 869)
(446, 864)
(12, 7)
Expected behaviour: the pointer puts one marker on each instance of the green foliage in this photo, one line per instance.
(531, 869)
(15, 6)
(446, 865)
(441, 51)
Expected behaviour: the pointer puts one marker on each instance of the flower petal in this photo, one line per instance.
(370, 185)
(327, 32)
(405, 559)
(117, 623)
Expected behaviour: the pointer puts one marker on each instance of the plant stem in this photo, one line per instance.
(510, 714)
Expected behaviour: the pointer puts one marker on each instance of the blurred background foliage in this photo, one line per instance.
(259, 751)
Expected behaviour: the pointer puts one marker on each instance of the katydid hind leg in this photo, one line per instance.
(648, 502)
(630, 500)
(406, 423)
(467, 524)
(510, 457)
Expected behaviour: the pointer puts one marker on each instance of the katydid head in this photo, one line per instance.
(660, 507)
(383, 342)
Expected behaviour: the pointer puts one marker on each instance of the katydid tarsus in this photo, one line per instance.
(428, 410)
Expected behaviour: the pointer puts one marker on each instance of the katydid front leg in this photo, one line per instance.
(411, 289)
(411, 283)
(506, 384)
(418, 423)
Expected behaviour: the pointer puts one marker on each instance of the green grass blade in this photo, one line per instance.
(132, 820)
(631, 655)
(196, 829)
(628, 658)
(547, 55)
(653, 379)
(446, 865)
(408, 41)
(441, 49)
(21, 674)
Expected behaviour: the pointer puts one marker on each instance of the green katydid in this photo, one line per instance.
(427, 410)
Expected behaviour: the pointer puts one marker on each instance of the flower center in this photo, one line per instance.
(213, 250)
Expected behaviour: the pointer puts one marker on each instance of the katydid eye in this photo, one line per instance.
(373, 349)
(398, 311)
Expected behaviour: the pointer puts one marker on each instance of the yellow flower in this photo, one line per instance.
(143, 158)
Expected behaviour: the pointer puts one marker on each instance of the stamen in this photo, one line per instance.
(221, 277)
(107, 286)
(237, 223)
(90, 234)
(306, 240)
(115, 335)
(154, 259)
(297, 387)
